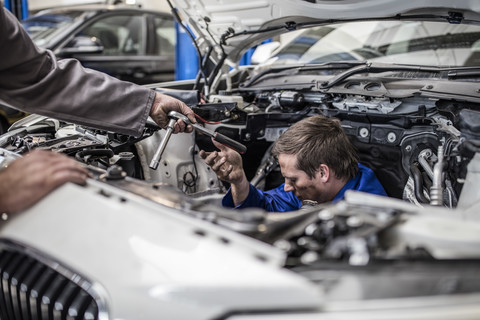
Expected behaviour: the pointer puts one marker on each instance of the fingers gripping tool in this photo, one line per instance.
(174, 116)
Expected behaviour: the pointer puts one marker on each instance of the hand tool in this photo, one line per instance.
(174, 116)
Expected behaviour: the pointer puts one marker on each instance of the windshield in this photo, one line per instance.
(43, 28)
(412, 42)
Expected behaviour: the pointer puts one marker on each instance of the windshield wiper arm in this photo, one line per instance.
(471, 72)
(371, 67)
(304, 67)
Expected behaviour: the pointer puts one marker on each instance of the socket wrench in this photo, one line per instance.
(174, 116)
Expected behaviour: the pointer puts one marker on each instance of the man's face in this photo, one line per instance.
(299, 182)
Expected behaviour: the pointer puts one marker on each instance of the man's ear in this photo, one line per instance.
(324, 172)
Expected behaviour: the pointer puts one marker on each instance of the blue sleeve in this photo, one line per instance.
(364, 181)
(275, 200)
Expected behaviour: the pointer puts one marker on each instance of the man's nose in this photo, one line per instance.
(288, 187)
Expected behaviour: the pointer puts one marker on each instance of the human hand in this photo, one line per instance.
(228, 166)
(27, 180)
(163, 104)
(226, 163)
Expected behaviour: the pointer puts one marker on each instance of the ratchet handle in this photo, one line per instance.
(173, 115)
(240, 148)
(161, 148)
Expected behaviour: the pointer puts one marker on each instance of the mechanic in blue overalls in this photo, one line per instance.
(317, 160)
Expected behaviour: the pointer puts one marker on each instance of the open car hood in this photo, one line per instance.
(234, 24)
(147, 242)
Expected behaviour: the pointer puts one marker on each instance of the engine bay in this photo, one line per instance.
(419, 147)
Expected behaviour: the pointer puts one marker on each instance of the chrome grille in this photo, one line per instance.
(35, 289)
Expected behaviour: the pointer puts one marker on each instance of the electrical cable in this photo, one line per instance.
(206, 121)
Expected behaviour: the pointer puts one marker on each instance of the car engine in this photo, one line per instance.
(423, 148)
(419, 147)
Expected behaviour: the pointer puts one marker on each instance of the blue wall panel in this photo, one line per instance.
(186, 58)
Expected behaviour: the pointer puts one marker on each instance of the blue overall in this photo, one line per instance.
(277, 200)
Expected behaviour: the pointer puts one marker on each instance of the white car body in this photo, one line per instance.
(161, 248)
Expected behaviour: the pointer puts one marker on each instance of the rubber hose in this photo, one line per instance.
(418, 183)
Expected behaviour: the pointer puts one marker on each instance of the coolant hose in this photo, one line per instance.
(418, 183)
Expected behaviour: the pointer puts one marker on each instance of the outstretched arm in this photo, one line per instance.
(33, 80)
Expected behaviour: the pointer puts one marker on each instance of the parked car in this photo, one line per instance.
(129, 43)
(138, 243)
(126, 42)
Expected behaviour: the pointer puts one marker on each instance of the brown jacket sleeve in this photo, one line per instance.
(32, 80)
